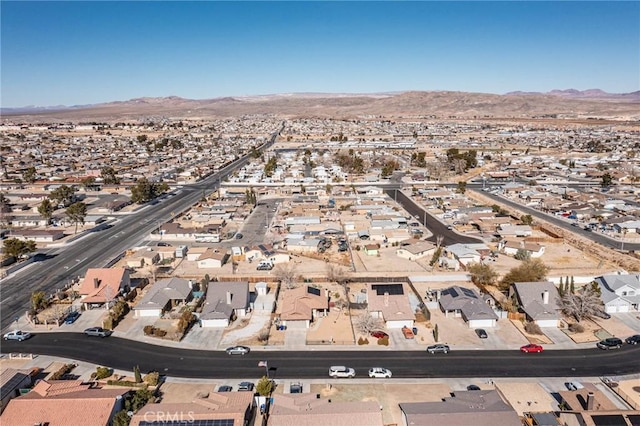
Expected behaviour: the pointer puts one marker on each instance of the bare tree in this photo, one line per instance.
(366, 323)
(584, 304)
(337, 273)
(286, 273)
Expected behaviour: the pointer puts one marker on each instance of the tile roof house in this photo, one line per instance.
(620, 293)
(539, 301)
(301, 305)
(102, 285)
(164, 295)
(234, 408)
(478, 408)
(11, 381)
(467, 303)
(306, 409)
(225, 300)
(212, 258)
(64, 403)
(390, 302)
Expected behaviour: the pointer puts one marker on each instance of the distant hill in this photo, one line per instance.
(557, 103)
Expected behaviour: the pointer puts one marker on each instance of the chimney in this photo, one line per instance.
(96, 283)
(190, 284)
(386, 298)
(590, 400)
(229, 296)
(545, 297)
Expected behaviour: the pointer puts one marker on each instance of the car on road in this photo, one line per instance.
(438, 348)
(341, 371)
(449, 227)
(572, 386)
(473, 388)
(379, 372)
(161, 244)
(610, 343)
(633, 340)
(225, 388)
(97, 332)
(17, 335)
(238, 350)
(531, 348)
(378, 334)
(481, 333)
(72, 317)
(245, 387)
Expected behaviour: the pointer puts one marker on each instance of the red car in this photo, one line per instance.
(531, 348)
(379, 334)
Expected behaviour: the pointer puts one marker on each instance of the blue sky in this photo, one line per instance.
(87, 52)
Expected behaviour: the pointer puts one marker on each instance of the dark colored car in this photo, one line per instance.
(633, 340)
(473, 388)
(97, 332)
(225, 388)
(379, 334)
(481, 333)
(295, 387)
(239, 236)
(72, 317)
(610, 343)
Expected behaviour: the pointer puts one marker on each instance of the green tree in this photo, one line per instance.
(136, 374)
(121, 418)
(526, 219)
(144, 191)
(88, 182)
(522, 254)
(482, 274)
(5, 205)
(76, 213)
(138, 400)
(436, 333)
(607, 180)
(462, 187)
(46, 209)
(39, 300)
(29, 175)
(265, 386)
(531, 270)
(108, 175)
(13, 247)
(63, 195)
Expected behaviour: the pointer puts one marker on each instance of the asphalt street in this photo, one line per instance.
(124, 354)
(98, 249)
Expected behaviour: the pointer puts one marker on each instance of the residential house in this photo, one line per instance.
(390, 302)
(218, 408)
(142, 258)
(539, 301)
(468, 304)
(478, 408)
(371, 249)
(620, 293)
(467, 253)
(509, 230)
(37, 235)
(212, 258)
(101, 286)
(309, 410)
(64, 403)
(512, 247)
(308, 245)
(11, 381)
(163, 296)
(194, 253)
(301, 305)
(588, 398)
(416, 250)
(225, 301)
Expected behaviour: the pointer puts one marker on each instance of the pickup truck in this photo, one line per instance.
(408, 333)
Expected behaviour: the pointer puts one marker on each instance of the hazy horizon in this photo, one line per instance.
(81, 53)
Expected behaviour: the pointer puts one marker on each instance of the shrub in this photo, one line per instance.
(152, 379)
(384, 341)
(148, 330)
(102, 373)
(363, 341)
(128, 383)
(159, 332)
(532, 328)
(576, 328)
(263, 336)
(62, 371)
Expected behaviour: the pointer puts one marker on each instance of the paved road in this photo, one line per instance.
(593, 236)
(123, 354)
(97, 249)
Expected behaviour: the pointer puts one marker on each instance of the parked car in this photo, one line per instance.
(481, 333)
(473, 388)
(225, 388)
(341, 371)
(408, 333)
(239, 236)
(531, 348)
(296, 387)
(380, 372)
(610, 343)
(245, 387)
(17, 335)
(238, 350)
(161, 244)
(264, 267)
(633, 340)
(572, 386)
(438, 348)
(379, 334)
(97, 332)
(72, 317)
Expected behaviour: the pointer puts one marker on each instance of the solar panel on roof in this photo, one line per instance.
(313, 290)
(453, 292)
(469, 293)
(188, 421)
(609, 420)
(391, 289)
(634, 419)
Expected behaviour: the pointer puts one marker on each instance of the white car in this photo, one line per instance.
(380, 372)
(17, 335)
(341, 371)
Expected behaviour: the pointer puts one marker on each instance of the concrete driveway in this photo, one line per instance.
(630, 319)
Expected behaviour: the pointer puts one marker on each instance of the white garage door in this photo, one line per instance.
(147, 313)
(215, 323)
